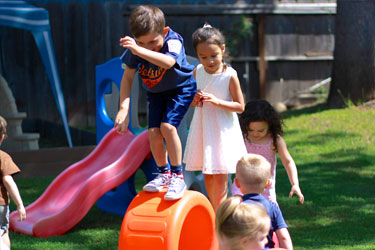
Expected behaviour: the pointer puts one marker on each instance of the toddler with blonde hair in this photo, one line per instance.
(252, 178)
(241, 226)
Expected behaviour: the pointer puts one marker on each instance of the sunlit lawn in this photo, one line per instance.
(335, 154)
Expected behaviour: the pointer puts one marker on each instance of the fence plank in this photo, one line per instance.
(86, 33)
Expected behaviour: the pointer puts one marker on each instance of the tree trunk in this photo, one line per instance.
(353, 73)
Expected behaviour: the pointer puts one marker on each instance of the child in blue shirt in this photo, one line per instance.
(252, 177)
(157, 52)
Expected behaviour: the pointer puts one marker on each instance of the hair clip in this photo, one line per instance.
(206, 26)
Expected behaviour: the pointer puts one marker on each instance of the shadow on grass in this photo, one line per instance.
(326, 138)
(339, 201)
(97, 230)
(304, 111)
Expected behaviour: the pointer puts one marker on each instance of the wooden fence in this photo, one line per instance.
(285, 47)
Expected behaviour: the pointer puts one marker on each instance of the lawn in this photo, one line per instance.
(334, 150)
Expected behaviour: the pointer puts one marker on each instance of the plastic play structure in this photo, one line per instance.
(71, 195)
(111, 165)
(150, 222)
(107, 74)
(17, 139)
(153, 223)
(117, 201)
(21, 15)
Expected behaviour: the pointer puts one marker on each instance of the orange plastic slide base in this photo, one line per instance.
(154, 223)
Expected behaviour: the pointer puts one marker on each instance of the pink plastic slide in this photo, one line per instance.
(71, 195)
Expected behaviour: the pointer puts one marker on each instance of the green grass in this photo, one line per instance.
(335, 154)
(97, 230)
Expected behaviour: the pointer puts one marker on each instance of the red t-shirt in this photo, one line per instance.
(7, 167)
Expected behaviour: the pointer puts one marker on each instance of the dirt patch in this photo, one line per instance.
(368, 105)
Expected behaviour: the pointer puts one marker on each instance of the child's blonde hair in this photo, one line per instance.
(3, 126)
(253, 171)
(235, 220)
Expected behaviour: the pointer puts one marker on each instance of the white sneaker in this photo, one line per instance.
(176, 188)
(157, 184)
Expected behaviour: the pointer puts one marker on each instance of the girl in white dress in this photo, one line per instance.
(215, 142)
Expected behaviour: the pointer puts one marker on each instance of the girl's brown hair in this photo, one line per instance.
(208, 34)
(259, 111)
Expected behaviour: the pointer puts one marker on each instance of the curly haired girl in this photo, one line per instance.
(261, 127)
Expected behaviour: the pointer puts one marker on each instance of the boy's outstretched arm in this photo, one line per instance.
(290, 168)
(122, 117)
(156, 58)
(284, 238)
(11, 187)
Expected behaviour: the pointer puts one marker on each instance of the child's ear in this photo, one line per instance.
(243, 241)
(268, 184)
(166, 29)
(223, 48)
(2, 138)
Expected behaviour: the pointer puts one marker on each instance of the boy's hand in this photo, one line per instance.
(21, 212)
(122, 121)
(129, 43)
(296, 190)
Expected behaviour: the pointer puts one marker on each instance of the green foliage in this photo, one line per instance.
(240, 30)
(334, 153)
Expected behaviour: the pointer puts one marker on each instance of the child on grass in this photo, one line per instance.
(214, 143)
(241, 226)
(261, 127)
(8, 186)
(157, 52)
(252, 178)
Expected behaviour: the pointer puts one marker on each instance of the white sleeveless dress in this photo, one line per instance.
(215, 142)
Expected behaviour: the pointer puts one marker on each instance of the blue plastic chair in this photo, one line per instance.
(19, 14)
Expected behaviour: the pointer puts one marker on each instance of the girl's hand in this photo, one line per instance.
(197, 101)
(210, 98)
(296, 190)
(122, 121)
(129, 43)
(198, 95)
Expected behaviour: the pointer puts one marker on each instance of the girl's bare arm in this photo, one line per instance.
(236, 104)
(290, 168)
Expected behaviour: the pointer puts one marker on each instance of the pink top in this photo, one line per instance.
(267, 152)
